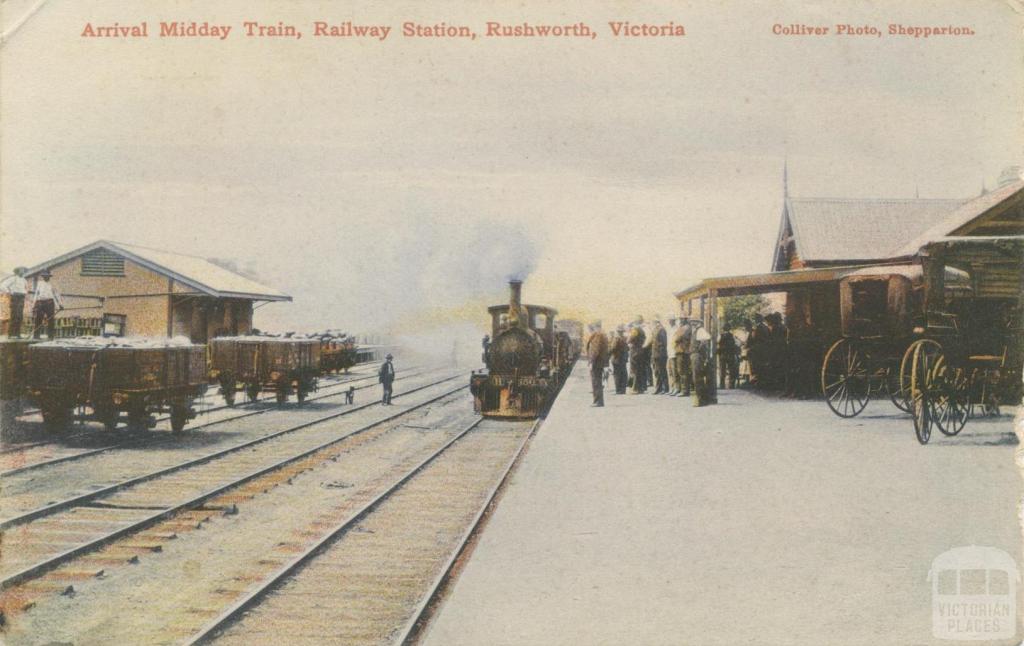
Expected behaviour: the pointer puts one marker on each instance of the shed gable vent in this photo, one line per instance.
(102, 262)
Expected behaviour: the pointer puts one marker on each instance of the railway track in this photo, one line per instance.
(372, 577)
(414, 489)
(71, 531)
(47, 453)
(28, 496)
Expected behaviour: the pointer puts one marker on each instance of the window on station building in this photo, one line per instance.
(102, 262)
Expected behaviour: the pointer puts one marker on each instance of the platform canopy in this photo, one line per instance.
(782, 281)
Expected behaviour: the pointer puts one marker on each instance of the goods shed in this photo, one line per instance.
(137, 290)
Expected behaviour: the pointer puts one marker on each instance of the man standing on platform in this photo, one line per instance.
(681, 341)
(386, 376)
(700, 363)
(673, 381)
(597, 353)
(16, 287)
(659, 355)
(46, 302)
(619, 354)
(636, 349)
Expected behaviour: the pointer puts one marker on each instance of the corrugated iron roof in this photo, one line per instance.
(960, 217)
(198, 273)
(838, 229)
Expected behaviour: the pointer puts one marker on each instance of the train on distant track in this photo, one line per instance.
(133, 378)
(527, 359)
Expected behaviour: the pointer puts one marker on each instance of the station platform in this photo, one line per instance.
(754, 521)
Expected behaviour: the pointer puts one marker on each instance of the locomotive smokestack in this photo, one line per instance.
(515, 301)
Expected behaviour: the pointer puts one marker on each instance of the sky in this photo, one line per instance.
(394, 185)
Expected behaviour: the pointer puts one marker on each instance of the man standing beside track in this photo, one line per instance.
(659, 355)
(597, 353)
(386, 376)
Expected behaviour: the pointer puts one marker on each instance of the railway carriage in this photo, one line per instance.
(527, 360)
(337, 354)
(13, 379)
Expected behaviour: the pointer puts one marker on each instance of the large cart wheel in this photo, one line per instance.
(252, 391)
(844, 379)
(924, 354)
(951, 405)
(898, 383)
(179, 417)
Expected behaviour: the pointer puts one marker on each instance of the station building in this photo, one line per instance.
(133, 290)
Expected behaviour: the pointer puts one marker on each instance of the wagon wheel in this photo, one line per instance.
(951, 404)
(252, 391)
(925, 354)
(179, 417)
(56, 417)
(138, 418)
(109, 416)
(898, 382)
(844, 379)
(283, 388)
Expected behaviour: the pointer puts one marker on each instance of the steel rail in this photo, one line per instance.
(153, 441)
(282, 573)
(86, 497)
(36, 570)
(420, 616)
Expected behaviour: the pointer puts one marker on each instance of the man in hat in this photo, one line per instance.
(597, 353)
(673, 380)
(386, 376)
(681, 342)
(46, 302)
(659, 356)
(700, 363)
(619, 353)
(16, 287)
(636, 347)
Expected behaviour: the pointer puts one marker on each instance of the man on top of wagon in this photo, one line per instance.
(16, 287)
(386, 376)
(46, 302)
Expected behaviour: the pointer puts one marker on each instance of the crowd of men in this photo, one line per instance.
(676, 361)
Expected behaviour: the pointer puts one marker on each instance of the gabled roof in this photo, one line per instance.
(198, 273)
(961, 217)
(848, 230)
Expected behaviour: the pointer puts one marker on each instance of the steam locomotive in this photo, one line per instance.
(527, 360)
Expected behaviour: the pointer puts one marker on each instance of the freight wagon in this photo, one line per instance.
(134, 376)
(262, 363)
(13, 379)
(337, 354)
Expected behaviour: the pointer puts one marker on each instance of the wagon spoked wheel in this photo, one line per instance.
(252, 392)
(109, 416)
(924, 357)
(951, 405)
(899, 384)
(844, 379)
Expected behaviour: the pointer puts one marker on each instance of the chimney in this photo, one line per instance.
(515, 301)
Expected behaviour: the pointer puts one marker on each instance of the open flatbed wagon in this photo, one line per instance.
(13, 378)
(256, 363)
(134, 377)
